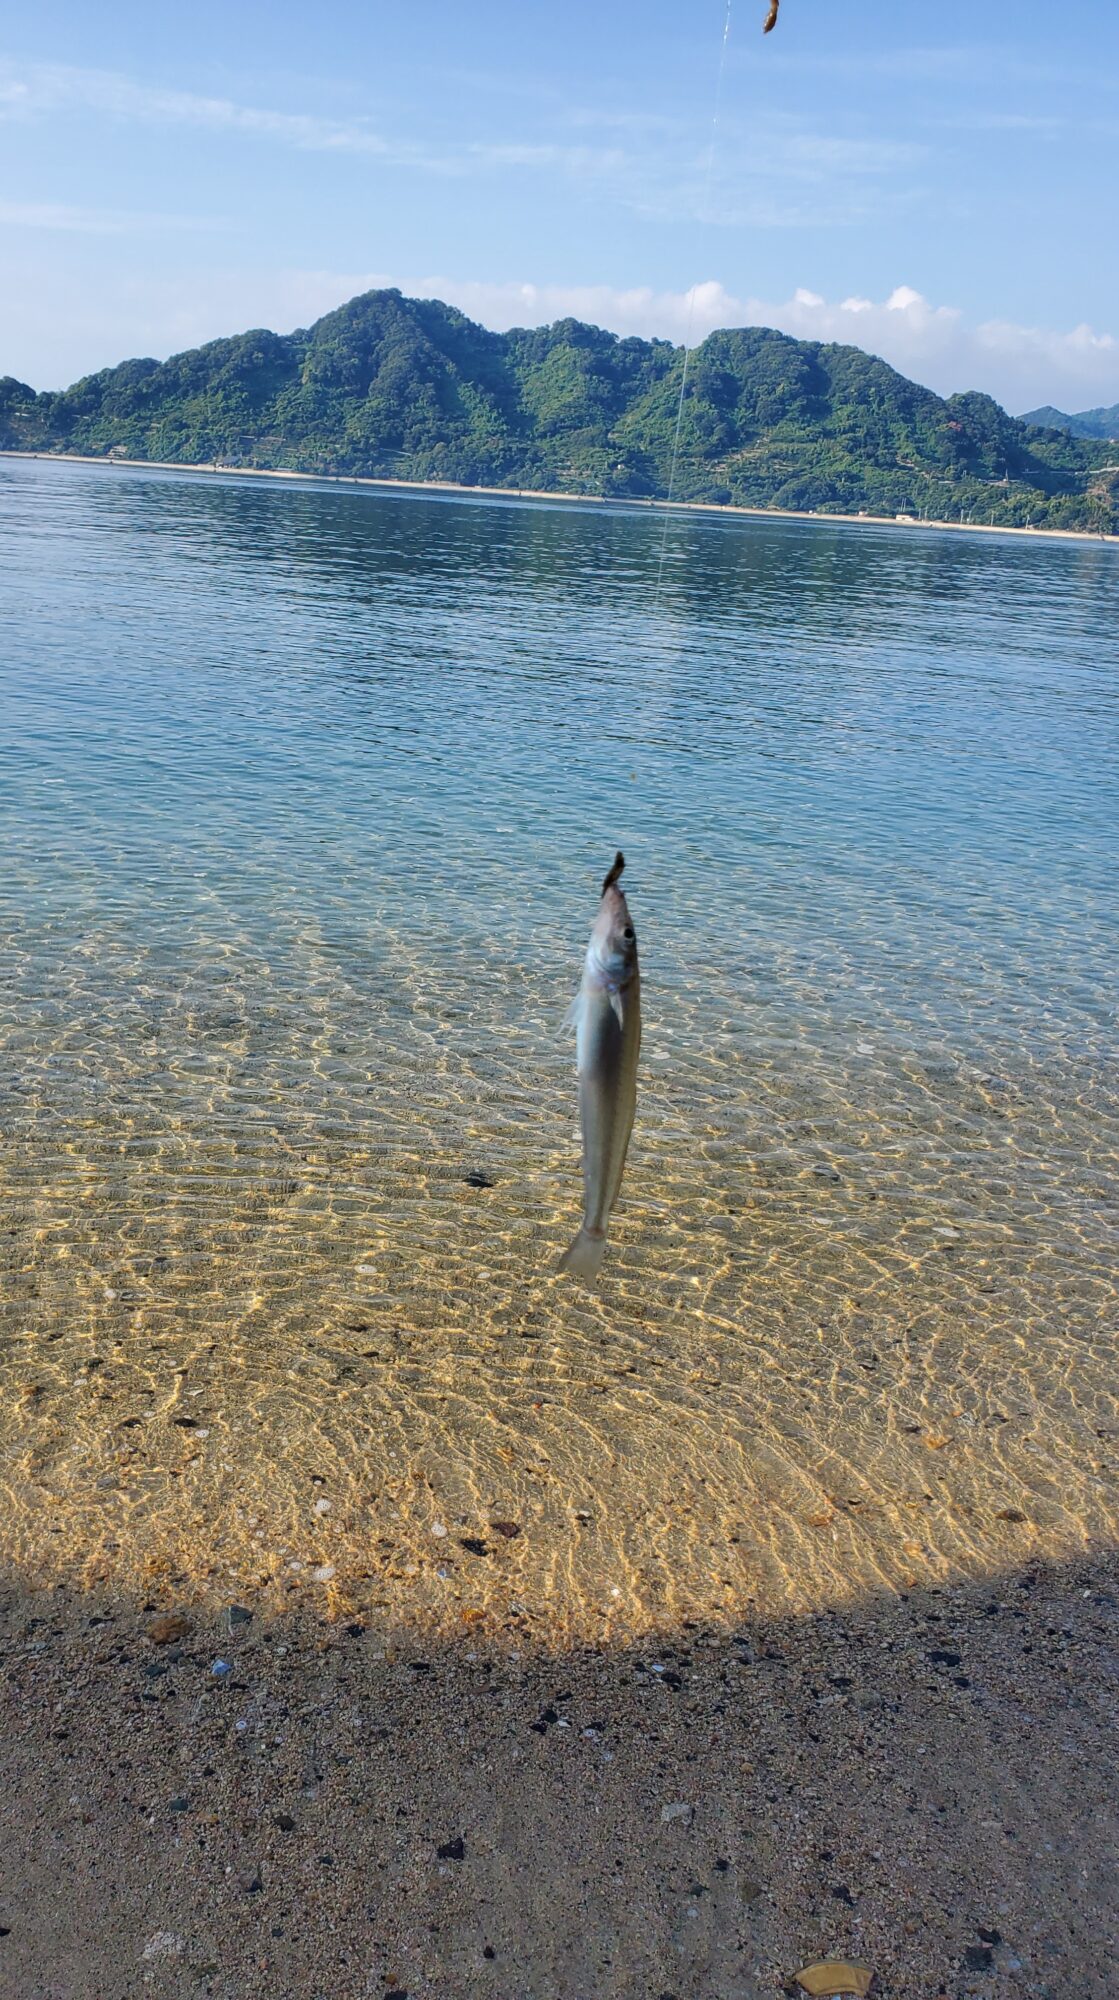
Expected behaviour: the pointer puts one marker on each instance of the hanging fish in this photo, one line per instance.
(606, 1015)
(771, 17)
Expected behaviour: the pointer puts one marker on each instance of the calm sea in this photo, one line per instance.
(305, 796)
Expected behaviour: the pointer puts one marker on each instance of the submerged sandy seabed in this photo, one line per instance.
(853, 1335)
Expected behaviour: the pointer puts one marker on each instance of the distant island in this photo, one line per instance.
(410, 389)
(1082, 424)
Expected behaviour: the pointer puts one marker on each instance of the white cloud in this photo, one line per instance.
(45, 87)
(999, 121)
(66, 216)
(771, 171)
(1022, 366)
(926, 67)
(38, 89)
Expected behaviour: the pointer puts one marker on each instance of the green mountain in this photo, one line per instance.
(411, 389)
(1103, 423)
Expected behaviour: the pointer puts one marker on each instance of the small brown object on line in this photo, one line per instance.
(771, 17)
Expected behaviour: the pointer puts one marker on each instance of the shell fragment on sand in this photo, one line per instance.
(681, 1810)
(834, 1975)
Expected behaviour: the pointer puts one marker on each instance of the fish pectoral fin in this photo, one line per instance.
(618, 1005)
(571, 1018)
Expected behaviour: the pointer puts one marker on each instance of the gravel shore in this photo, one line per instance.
(206, 1801)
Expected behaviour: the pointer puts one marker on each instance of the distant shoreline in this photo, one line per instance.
(570, 499)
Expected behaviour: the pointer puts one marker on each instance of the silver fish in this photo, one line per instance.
(606, 1014)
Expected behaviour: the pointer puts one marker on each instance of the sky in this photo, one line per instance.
(933, 180)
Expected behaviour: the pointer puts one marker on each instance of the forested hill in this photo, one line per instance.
(1103, 423)
(411, 389)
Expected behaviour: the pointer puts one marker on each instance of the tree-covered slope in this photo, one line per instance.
(1102, 423)
(412, 389)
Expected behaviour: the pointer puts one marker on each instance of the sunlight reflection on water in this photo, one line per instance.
(304, 796)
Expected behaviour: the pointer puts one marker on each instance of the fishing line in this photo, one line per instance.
(704, 220)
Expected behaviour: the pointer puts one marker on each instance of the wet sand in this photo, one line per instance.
(924, 1782)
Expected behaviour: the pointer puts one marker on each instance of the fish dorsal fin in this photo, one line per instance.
(619, 864)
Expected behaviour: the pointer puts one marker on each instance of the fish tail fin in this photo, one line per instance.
(585, 1255)
(619, 864)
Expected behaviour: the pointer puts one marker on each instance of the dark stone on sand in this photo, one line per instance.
(942, 1658)
(355, 1630)
(180, 1805)
(283, 1822)
(473, 1545)
(510, 1529)
(477, 1180)
(239, 1614)
(452, 1850)
(989, 1937)
(843, 1894)
(978, 1958)
(488, 1951)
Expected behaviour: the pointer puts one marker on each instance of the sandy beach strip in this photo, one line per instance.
(200, 1802)
(447, 486)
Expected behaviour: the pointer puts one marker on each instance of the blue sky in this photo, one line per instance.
(932, 179)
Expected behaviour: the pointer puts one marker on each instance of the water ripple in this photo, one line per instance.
(303, 797)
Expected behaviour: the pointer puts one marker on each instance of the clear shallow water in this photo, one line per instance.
(304, 798)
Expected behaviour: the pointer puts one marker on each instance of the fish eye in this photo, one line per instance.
(629, 932)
